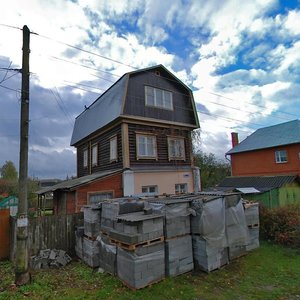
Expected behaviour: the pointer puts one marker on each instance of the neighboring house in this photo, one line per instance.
(46, 201)
(135, 139)
(272, 191)
(266, 165)
(271, 150)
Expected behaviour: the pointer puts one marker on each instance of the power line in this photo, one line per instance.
(83, 50)
(62, 106)
(10, 26)
(116, 61)
(260, 106)
(8, 88)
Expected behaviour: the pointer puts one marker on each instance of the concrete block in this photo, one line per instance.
(107, 256)
(179, 255)
(92, 213)
(91, 229)
(138, 271)
(207, 257)
(235, 251)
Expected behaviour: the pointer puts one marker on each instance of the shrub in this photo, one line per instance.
(281, 225)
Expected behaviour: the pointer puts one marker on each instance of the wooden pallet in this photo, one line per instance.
(147, 285)
(132, 247)
(91, 238)
(253, 226)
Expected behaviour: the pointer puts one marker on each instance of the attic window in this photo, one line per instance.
(157, 73)
(158, 98)
(281, 156)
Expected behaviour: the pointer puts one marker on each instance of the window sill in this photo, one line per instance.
(281, 162)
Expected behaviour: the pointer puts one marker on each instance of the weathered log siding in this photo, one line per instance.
(162, 146)
(104, 163)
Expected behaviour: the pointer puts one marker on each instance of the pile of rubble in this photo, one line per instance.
(50, 259)
(142, 241)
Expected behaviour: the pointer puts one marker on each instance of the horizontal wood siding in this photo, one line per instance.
(49, 232)
(162, 146)
(135, 100)
(104, 163)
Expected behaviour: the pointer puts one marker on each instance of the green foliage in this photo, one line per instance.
(281, 224)
(213, 170)
(9, 172)
(270, 272)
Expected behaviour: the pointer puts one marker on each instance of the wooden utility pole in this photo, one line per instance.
(22, 275)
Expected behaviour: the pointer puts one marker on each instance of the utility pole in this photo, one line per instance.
(22, 275)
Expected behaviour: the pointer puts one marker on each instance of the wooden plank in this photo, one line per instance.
(54, 232)
(4, 233)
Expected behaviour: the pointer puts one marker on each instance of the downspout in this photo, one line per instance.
(229, 162)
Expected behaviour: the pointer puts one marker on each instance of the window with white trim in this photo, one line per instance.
(85, 158)
(158, 98)
(94, 155)
(97, 197)
(150, 189)
(146, 146)
(176, 148)
(281, 156)
(181, 188)
(113, 149)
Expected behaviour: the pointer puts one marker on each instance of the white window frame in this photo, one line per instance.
(177, 142)
(113, 146)
(181, 188)
(85, 157)
(150, 190)
(102, 193)
(94, 153)
(281, 156)
(165, 104)
(147, 154)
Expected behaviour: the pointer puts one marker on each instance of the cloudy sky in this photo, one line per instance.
(241, 59)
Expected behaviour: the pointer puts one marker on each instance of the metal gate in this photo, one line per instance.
(4, 233)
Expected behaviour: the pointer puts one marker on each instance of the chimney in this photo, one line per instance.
(234, 139)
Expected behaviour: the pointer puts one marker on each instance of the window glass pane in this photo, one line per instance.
(94, 155)
(281, 156)
(159, 98)
(96, 198)
(176, 148)
(146, 146)
(149, 95)
(181, 188)
(142, 145)
(150, 146)
(167, 100)
(85, 158)
(113, 148)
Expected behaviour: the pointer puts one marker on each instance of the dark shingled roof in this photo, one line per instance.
(261, 183)
(268, 137)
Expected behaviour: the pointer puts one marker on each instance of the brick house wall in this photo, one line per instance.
(262, 162)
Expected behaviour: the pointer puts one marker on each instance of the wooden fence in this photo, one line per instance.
(48, 232)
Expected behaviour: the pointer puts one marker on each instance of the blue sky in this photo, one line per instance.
(240, 58)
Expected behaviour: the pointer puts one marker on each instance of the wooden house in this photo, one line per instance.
(135, 139)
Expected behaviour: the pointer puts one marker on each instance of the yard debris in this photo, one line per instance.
(50, 259)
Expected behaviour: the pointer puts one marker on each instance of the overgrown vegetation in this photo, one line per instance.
(281, 225)
(9, 184)
(270, 272)
(213, 170)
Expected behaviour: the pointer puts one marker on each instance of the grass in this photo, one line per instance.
(270, 272)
